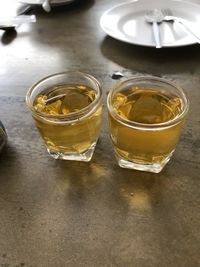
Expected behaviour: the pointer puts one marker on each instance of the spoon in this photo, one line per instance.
(46, 5)
(155, 17)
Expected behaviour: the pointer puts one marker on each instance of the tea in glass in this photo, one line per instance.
(146, 116)
(67, 109)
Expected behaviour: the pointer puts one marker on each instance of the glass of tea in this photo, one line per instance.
(67, 109)
(146, 115)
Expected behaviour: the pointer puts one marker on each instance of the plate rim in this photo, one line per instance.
(63, 2)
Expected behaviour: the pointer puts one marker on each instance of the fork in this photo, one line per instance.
(168, 16)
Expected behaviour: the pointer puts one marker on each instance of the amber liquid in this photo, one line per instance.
(67, 136)
(146, 106)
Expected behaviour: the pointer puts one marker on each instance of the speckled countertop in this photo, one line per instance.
(56, 213)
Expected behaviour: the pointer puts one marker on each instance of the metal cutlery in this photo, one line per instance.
(155, 17)
(46, 5)
(23, 9)
(11, 22)
(168, 16)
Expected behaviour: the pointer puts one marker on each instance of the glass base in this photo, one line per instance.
(85, 156)
(148, 167)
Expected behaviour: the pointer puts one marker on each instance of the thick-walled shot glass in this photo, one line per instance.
(146, 115)
(67, 109)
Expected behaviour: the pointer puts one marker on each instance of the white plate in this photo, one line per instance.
(126, 22)
(52, 2)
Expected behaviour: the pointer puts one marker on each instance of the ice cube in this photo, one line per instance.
(65, 110)
(147, 110)
(119, 100)
(40, 107)
(74, 101)
(41, 99)
(91, 94)
(54, 108)
(81, 87)
(125, 110)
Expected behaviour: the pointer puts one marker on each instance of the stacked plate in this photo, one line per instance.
(126, 22)
(52, 2)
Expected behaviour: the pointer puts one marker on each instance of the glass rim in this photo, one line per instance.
(72, 115)
(147, 126)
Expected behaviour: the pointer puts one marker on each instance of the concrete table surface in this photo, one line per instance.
(57, 213)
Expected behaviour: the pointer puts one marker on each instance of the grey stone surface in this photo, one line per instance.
(56, 213)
